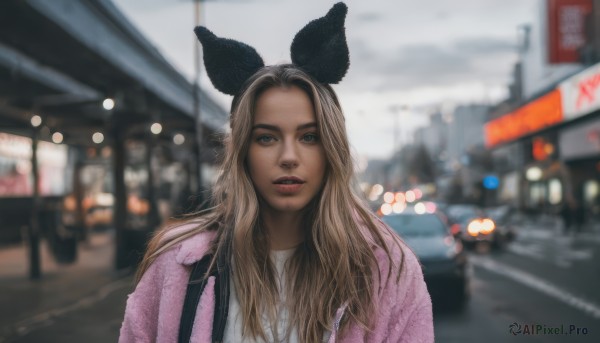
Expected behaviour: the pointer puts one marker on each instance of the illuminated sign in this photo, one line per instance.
(535, 116)
(541, 149)
(566, 29)
(17, 147)
(581, 93)
(491, 182)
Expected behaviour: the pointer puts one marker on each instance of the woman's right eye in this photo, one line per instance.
(264, 139)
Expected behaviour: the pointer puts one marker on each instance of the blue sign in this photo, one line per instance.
(491, 182)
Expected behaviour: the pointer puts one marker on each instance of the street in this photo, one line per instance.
(544, 285)
(543, 278)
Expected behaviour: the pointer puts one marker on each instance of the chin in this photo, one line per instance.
(288, 205)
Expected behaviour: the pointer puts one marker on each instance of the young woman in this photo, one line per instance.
(287, 252)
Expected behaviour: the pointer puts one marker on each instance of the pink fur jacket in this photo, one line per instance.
(154, 308)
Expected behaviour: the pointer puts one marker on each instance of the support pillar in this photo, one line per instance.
(34, 227)
(120, 203)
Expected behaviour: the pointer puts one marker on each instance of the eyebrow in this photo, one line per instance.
(276, 128)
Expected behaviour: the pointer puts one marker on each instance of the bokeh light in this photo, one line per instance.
(386, 209)
(410, 196)
(179, 139)
(156, 128)
(36, 121)
(57, 137)
(108, 104)
(98, 137)
(388, 197)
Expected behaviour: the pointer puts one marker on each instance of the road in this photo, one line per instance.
(545, 283)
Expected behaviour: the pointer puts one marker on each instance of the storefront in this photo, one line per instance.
(524, 146)
(554, 141)
(580, 150)
(15, 167)
(16, 181)
(580, 142)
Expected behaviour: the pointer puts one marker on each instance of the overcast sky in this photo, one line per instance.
(421, 54)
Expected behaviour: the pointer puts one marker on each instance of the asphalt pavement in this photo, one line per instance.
(83, 301)
(542, 288)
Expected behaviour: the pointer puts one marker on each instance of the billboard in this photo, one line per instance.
(581, 93)
(567, 29)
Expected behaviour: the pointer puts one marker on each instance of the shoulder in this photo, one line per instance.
(154, 307)
(170, 266)
(193, 242)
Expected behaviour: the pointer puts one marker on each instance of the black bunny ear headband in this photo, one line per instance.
(319, 49)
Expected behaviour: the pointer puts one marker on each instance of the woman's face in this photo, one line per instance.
(285, 143)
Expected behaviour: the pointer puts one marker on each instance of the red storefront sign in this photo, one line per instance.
(581, 93)
(567, 29)
(587, 91)
(535, 116)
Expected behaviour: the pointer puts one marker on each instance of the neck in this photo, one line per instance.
(283, 229)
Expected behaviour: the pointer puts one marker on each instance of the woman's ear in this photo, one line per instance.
(320, 48)
(228, 63)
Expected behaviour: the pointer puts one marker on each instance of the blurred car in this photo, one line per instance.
(473, 226)
(442, 256)
(504, 217)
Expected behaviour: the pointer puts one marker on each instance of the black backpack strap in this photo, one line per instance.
(195, 287)
(221, 300)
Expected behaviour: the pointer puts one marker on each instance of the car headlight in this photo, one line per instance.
(474, 227)
(483, 226)
(487, 226)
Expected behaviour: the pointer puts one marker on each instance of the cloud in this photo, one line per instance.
(368, 17)
(484, 59)
(485, 46)
(410, 66)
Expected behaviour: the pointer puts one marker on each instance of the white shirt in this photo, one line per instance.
(233, 327)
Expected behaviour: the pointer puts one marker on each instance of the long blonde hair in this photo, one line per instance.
(334, 265)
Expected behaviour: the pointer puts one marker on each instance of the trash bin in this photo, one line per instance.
(61, 238)
(64, 245)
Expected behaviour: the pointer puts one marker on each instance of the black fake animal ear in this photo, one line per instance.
(320, 48)
(228, 63)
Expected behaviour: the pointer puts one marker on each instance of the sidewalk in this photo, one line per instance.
(555, 222)
(62, 292)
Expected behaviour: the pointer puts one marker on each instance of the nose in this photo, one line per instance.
(289, 155)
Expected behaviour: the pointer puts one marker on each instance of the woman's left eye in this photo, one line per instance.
(311, 137)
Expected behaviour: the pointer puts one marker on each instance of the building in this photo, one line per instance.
(82, 87)
(543, 139)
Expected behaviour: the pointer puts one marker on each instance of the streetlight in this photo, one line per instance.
(108, 104)
(57, 137)
(179, 139)
(197, 113)
(98, 137)
(36, 120)
(156, 128)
